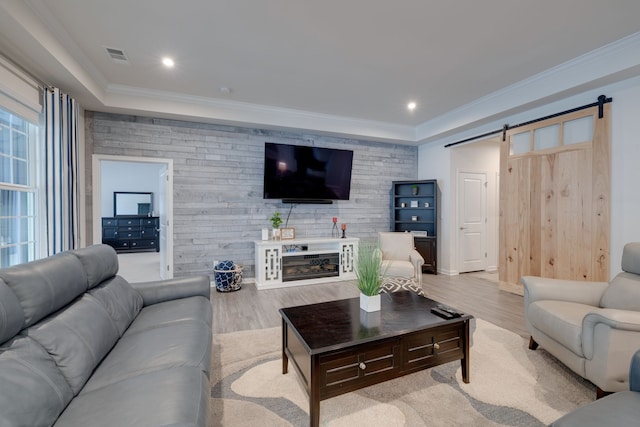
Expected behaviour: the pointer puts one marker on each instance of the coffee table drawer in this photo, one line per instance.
(359, 367)
(433, 347)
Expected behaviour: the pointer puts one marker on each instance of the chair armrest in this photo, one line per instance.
(417, 260)
(166, 290)
(543, 288)
(621, 320)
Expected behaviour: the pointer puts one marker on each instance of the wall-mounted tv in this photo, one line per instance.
(299, 174)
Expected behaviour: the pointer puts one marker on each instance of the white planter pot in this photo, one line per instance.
(370, 304)
(275, 233)
(369, 319)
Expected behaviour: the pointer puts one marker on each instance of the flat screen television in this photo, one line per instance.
(302, 174)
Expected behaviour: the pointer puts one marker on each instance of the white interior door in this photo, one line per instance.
(166, 250)
(472, 221)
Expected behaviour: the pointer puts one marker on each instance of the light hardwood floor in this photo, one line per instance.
(473, 293)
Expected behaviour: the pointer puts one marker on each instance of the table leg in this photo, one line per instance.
(464, 362)
(314, 394)
(285, 359)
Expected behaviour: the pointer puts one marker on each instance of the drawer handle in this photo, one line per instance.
(436, 346)
(363, 366)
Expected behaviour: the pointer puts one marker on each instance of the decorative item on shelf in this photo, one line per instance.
(403, 205)
(414, 189)
(370, 275)
(344, 230)
(414, 218)
(414, 203)
(265, 234)
(334, 231)
(426, 204)
(276, 221)
(287, 233)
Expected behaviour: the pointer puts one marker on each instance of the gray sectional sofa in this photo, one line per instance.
(80, 346)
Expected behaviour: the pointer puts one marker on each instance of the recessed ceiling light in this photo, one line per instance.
(226, 90)
(411, 106)
(167, 62)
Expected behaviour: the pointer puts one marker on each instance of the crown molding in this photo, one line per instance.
(247, 114)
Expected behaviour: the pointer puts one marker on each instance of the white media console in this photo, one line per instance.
(282, 263)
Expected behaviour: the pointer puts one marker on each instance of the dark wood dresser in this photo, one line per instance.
(134, 234)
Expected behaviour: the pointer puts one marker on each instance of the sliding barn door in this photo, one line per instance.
(555, 199)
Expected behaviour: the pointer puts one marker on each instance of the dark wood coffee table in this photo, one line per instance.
(336, 348)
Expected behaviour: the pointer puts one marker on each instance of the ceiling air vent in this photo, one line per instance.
(117, 55)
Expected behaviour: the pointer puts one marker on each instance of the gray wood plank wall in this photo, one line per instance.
(218, 172)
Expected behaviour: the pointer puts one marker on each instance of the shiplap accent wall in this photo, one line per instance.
(218, 172)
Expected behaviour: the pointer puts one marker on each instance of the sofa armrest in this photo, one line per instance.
(166, 290)
(543, 288)
(417, 260)
(621, 320)
(634, 372)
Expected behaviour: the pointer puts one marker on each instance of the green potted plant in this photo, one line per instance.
(276, 221)
(370, 274)
(414, 189)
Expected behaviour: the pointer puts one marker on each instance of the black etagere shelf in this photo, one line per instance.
(414, 209)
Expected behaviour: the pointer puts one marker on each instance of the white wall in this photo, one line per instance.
(121, 176)
(625, 171)
(435, 161)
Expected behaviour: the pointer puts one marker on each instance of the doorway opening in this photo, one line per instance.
(476, 167)
(113, 174)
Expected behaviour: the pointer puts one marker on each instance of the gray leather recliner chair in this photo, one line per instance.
(591, 327)
(620, 409)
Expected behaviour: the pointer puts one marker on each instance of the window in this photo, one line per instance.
(18, 190)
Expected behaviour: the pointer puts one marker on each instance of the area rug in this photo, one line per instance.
(395, 284)
(510, 386)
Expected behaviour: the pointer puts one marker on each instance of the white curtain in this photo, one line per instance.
(62, 199)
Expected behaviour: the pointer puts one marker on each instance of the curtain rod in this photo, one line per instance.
(600, 104)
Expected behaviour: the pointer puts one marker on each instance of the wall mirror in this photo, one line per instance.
(127, 203)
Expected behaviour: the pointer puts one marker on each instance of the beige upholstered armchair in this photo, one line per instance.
(399, 256)
(592, 327)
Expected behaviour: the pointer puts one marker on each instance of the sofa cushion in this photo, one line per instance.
(396, 246)
(33, 391)
(168, 397)
(120, 300)
(45, 285)
(623, 293)
(561, 321)
(11, 315)
(170, 312)
(167, 346)
(78, 337)
(100, 262)
(398, 268)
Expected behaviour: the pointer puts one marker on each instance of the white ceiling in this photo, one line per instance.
(344, 67)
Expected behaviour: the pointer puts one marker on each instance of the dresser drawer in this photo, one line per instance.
(129, 222)
(433, 347)
(126, 234)
(144, 244)
(349, 370)
(149, 222)
(116, 244)
(109, 222)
